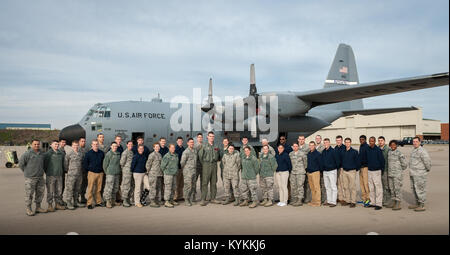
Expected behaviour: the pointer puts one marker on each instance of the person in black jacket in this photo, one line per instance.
(139, 171)
(93, 163)
(313, 171)
(350, 163)
(331, 162)
(375, 164)
(364, 172)
(282, 174)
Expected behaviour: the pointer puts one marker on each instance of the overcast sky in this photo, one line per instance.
(58, 58)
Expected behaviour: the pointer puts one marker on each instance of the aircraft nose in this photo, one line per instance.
(71, 133)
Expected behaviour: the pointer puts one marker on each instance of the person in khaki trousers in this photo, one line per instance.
(339, 148)
(363, 171)
(350, 162)
(375, 164)
(93, 163)
(313, 171)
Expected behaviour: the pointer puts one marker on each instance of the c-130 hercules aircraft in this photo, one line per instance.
(299, 113)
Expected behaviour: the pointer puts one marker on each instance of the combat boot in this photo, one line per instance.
(50, 208)
(30, 212)
(236, 202)
(203, 203)
(126, 203)
(413, 206)
(254, 204)
(264, 201)
(396, 206)
(39, 209)
(268, 203)
(108, 204)
(70, 205)
(154, 203)
(80, 205)
(173, 202)
(168, 204)
(139, 205)
(187, 202)
(116, 203)
(226, 201)
(59, 207)
(244, 203)
(420, 208)
(216, 201)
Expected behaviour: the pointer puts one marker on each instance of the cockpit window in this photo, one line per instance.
(99, 111)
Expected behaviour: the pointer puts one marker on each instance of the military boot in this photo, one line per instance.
(236, 202)
(126, 203)
(168, 204)
(264, 201)
(70, 205)
(268, 203)
(76, 204)
(39, 209)
(30, 212)
(116, 203)
(420, 208)
(254, 204)
(396, 206)
(216, 201)
(297, 203)
(413, 206)
(50, 208)
(174, 202)
(154, 203)
(203, 203)
(187, 202)
(59, 207)
(391, 205)
(244, 203)
(226, 201)
(108, 203)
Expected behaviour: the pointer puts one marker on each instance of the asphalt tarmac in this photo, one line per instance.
(229, 220)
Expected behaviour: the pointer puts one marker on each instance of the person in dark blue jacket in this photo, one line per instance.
(331, 162)
(140, 141)
(93, 163)
(163, 148)
(139, 172)
(313, 172)
(375, 164)
(350, 163)
(282, 172)
(363, 173)
(179, 149)
(339, 148)
(283, 141)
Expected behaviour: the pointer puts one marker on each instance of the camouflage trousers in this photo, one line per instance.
(307, 195)
(170, 183)
(297, 188)
(111, 186)
(189, 184)
(395, 185)
(418, 186)
(72, 187)
(386, 188)
(54, 189)
(267, 187)
(127, 186)
(249, 186)
(156, 186)
(34, 186)
(231, 187)
(198, 175)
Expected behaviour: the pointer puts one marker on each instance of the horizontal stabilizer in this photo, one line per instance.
(378, 111)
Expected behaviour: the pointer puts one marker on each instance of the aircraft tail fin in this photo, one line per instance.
(343, 72)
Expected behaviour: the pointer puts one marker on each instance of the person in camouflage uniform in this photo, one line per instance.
(245, 143)
(298, 174)
(111, 166)
(231, 165)
(127, 186)
(320, 147)
(84, 172)
(32, 165)
(303, 147)
(419, 165)
(250, 168)
(54, 170)
(155, 175)
(209, 155)
(268, 165)
(169, 166)
(396, 165)
(188, 165)
(384, 176)
(73, 161)
(198, 172)
(264, 142)
(222, 152)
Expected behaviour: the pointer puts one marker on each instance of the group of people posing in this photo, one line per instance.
(313, 173)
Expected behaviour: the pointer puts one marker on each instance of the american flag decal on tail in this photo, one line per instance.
(343, 69)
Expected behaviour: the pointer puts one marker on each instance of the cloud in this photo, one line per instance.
(81, 52)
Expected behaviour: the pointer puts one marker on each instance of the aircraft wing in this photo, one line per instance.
(378, 111)
(345, 93)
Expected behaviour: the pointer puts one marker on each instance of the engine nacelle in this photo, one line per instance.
(290, 105)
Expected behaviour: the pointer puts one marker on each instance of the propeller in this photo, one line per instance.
(210, 104)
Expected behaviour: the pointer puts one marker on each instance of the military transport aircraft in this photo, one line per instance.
(299, 113)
